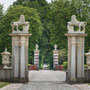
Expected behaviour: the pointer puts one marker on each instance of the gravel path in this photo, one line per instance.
(47, 80)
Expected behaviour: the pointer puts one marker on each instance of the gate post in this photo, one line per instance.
(36, 56)
(76, 41)
(55, 57)
(20, 51)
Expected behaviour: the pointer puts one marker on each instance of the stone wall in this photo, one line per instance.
(5, 75)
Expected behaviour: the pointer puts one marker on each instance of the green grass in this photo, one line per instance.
(2, 84)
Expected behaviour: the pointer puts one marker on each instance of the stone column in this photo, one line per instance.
(55, 57)
(16, 54)
(73, 59)
(75, 50)
(36, 57)
(20, 50)
(76, 56)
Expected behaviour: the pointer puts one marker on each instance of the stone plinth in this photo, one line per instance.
(76, 56)
(5, 75)
(87, 75)
(20, 56)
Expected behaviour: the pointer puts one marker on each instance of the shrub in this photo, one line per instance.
(41, 66)
(85, 66)
(65, 64)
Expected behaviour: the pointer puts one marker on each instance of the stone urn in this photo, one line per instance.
(5, 58)
(88, 59)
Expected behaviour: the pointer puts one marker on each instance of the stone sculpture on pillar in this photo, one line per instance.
(21, 22)
(88, 59)
(55, 56)
(20, 50)
(76, 41)
(36, 56)
(75, 22)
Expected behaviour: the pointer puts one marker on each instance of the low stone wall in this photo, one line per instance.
(85, 80)
(87, 76)
(5, 75)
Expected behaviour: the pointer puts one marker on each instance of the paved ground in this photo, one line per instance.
(47, 80)
(12, 87)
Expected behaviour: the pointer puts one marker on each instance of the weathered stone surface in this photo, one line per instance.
(47, 80)
(75, 56)
(20, 50)
(5, 74)
(55, 57)
(36, 56)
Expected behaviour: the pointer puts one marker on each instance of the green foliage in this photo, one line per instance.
(1, 11)
(48, 25)
(2, 84)
(62, 55)
(65, 65)
(85, 66)
(13, 14)
(41, 66)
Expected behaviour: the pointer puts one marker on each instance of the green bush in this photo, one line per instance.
(48, 66)
(2, 84)
(41, 66)
(65, 64)
(85, 66)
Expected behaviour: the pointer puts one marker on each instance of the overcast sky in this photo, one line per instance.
(6, 3)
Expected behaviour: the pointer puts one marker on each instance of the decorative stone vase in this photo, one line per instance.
(5, 59)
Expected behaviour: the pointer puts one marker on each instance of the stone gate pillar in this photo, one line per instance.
(55, 57)
(76, 41)
(20, 51)
(36, 57)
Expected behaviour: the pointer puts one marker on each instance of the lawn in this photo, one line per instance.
(2, 84)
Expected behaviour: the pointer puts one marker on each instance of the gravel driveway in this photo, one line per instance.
(47, 80)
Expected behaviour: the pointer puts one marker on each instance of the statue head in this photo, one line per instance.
(22, 18)
(73, 17)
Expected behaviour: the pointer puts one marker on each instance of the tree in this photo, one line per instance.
(62, 10)
(13, 14)
(45, 47)
(1, 11)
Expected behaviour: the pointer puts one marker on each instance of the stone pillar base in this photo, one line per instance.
(80, 80)
(87, 75)
(73, 80)
(5, 75)
(19, 80)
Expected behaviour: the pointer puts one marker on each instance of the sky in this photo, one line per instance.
(6, 3)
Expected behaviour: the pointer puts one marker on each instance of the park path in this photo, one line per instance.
(47, 80)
